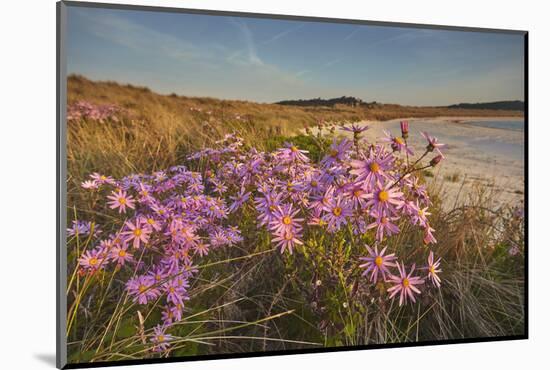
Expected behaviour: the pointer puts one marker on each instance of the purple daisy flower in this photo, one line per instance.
(372, 169)
(397, 143)
(284, 219)
(433, 269)
(338, 152)
(433, 143)
(120, 200)
(383, 225)
(385, 199)
(337, 213)
(291, 153)
(160, 339)
(377, 263)
(405, 284)
(354, 128)
(142, 289)
(137, 232)
(286, 240)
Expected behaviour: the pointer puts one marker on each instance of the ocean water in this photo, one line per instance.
(514, 125)
(496, 145)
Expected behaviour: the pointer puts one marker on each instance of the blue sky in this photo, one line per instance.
(269, 60)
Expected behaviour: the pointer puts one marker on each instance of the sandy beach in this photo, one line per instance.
(476, 156)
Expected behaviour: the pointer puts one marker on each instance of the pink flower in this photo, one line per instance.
(120, 255)
(428, 235)
(120, 200)
(92, 260)
(291, 153)
(405, 285)
(397, 143)
(377, 263)
(373, 169)
(385, 199)
(383, 225)
(137, 232)
(160, 339)
(433, 269)
(337, 212)
(284, 219)
(286, 239)
(142, 288)
(89, 184)
(433, 144)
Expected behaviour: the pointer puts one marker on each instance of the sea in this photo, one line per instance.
(515, 125)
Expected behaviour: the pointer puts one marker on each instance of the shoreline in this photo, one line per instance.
(477, 157)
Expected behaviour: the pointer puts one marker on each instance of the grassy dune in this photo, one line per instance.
(251, 298)
(156, 129)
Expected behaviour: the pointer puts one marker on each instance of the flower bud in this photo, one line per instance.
(405, 129)
(435, 160)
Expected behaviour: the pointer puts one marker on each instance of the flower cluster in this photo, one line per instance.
(86, 110)
(171, 218)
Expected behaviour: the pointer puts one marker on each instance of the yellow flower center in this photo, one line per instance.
(157, 277)
(93, 261)
(289, 236)
(384, 220)
(272, 208)
(399, 141)
(432, 269)
(122, 200)
(421, 212)
(145, 193)
(287, 220)
(137, 232)
(122, 253)
(161, 338)
(333, 153)
(378, 261)
(357, 192)
(383, 196)
(142, 288)
(103, 177)
(150, 221)
(337, 211)
(374, 167)
(406, 282)
(314, 183)
(172, 290)
(161, 211)
(294, 149)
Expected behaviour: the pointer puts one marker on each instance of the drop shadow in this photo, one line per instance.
(47, 358)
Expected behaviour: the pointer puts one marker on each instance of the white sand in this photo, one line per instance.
(490, 158)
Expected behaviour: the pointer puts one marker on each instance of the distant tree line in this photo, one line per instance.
(346, 100)
(502, 105)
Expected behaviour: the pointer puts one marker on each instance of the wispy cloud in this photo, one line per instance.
(135, 36)
(250, 54)
(282, 34)
(352, 33)
(319, 68)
